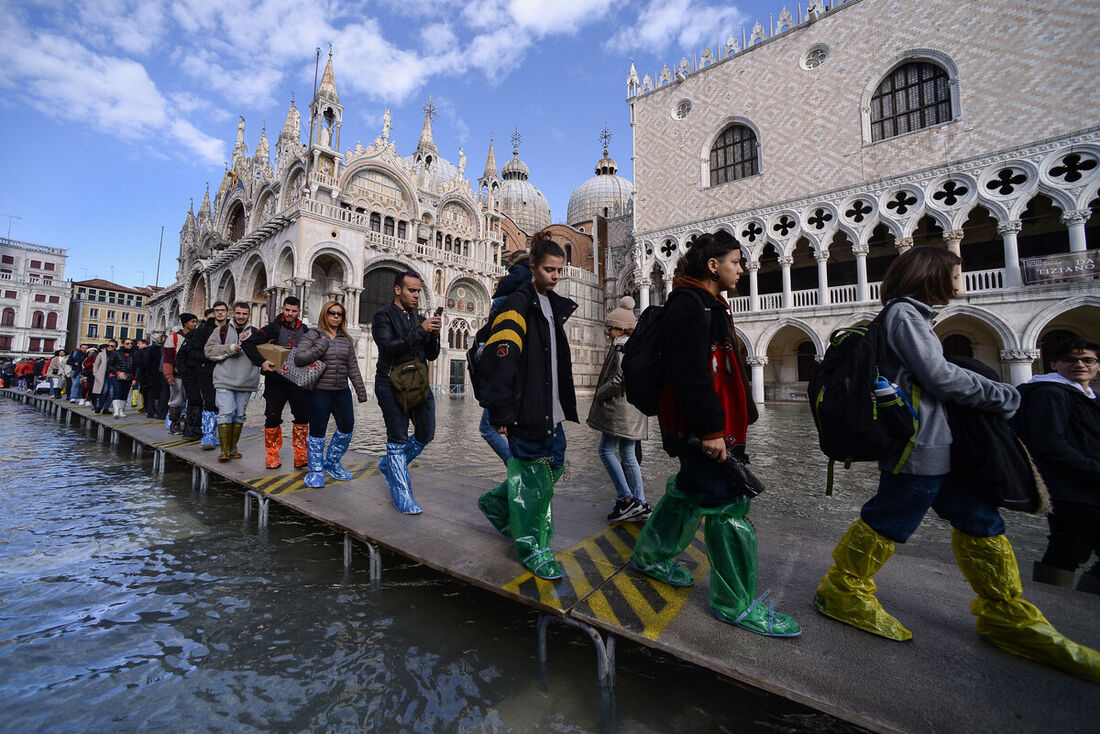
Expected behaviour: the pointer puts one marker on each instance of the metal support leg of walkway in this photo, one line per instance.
(159, 457)
(605, 649)
(200, 478)
(99, 432)
(261, 503)
(137, 449)
(374, 556)
(114, 438)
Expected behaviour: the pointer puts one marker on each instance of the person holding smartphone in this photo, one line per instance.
(406, 341)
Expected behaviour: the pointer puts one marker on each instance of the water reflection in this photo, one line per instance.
(127, 601)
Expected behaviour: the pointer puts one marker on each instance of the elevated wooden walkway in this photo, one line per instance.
(945, 679)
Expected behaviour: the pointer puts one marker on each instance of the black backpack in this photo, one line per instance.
(474, 352)
(643, 364)
(852, 423)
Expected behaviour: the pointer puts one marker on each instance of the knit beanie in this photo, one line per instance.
(623, 316)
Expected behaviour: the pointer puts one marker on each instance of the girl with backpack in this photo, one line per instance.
(918, 477)
(620, 424)
(704, 411)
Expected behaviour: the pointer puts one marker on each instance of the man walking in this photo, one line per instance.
(173, 370)
(235, 378)
(284, 331)
(1059, 420)
(198, 378)
(406, 343)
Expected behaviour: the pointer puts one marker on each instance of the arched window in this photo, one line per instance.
(402, 230)
(51, 320)
(806, 361)
(387, 226)
(9, 317)
(568, 254)
(912, 97)
(375, 222)
(734, 155)
(38, 320)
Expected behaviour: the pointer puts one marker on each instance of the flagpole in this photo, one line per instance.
(160, 249)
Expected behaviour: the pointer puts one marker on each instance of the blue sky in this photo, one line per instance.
(114, 113)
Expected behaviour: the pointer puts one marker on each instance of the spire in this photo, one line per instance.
(238, 146)
(292, 128)
(490, 161)
(426, 142)
(263, 149)
(327, 88)
(204, 208)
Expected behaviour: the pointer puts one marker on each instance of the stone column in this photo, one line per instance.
(903, 244)
(1075, 221)
(1008, 231)
(863, 290)
(822, 257)
(351, 304)
(754, 289)
(757, 366)
(668, 285)
(643, 295)
(1019, 363)
(953, 239)
(785, 263)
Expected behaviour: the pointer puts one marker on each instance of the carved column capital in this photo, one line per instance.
(861, 250)
(1019, 355)
(952, 235)
(1012, 226)
(821, 255)
(1076, 216)
(904, 243)
(786, 261)
(758, 361)
(752, 266)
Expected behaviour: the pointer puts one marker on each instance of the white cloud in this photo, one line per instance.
(134, 26)
(544, 17)
(682, 24)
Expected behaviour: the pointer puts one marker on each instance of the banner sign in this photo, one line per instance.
(1056, 268)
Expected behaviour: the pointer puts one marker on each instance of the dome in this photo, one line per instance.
(524, 204)
(439, 170)
(605, 190)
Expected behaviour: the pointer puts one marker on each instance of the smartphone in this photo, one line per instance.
(439, 312)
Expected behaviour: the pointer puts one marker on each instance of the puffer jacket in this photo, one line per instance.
(120, 361)
(610, 412)
(338, 355)
(232, 369)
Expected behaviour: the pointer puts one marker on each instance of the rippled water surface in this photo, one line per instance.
(129, 602)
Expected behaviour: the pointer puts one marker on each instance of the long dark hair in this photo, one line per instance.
(543, 247)
(706, 246)
(923, 273)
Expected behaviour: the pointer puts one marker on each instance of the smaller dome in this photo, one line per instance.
(515, 168)
(605, 194)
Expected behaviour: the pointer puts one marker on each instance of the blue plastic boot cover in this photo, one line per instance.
(337, 447)
(210, 428)
(413, 449)
(397, 477)
(315, 460)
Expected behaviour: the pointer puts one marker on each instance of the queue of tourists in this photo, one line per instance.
(679, 362)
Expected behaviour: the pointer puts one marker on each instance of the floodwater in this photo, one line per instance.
(130, 602)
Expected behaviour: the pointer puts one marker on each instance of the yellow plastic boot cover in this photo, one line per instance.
(1004, 618)
(847, 591)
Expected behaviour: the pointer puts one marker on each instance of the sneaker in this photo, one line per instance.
(624, 509)
(643, 513)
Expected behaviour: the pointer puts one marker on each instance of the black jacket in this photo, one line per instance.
(141, 366)
(119, 360)
(518, 276)
(401, 338)
(1061, 427)
(191, 358)
(516, 365)
(279, 331)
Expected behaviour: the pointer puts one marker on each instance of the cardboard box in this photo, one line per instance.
(274, 354)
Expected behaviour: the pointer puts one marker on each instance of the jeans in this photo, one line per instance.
(526, 449)
(107, 394)
(903, 500)
(497, 442)
(231, 404)
(397, 421)
(78, 387)
(625, 472)
(338, 404)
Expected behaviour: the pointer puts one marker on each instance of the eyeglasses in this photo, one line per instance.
(1087, 361)
(336, 313)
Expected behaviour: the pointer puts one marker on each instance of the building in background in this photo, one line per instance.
(102, 310)
(828, 143)
(34, 298)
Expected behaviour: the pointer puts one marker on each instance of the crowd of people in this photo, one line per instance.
(200, 379)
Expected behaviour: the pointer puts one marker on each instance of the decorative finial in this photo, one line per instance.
(605, 138)
(516, 140)
(292, 99)
(430, 109)
(330, 50)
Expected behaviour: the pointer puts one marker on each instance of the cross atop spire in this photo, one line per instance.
(516, 140)
(605, 138)
(431, 111)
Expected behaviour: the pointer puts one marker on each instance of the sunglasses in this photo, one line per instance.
(335, 313)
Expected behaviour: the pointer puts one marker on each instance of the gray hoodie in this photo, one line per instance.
(232, 369)
(912, 342)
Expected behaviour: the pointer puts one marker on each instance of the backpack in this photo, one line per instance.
(472, 354)
(853, 424)
(643, 364)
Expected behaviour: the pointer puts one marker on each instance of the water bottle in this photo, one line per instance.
(884, 389)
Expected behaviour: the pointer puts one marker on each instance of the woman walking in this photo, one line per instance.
(919, 478)
(330, 343)
(620, 424)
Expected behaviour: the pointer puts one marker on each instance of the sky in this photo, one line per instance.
(114, 114)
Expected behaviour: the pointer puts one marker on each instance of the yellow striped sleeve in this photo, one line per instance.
(512, 315)
(507, 335)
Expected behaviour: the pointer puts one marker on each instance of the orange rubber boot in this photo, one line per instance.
(273, 442)
(298, 441)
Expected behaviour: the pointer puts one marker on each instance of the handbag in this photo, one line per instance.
(303, 377)
(742, 481)
(410, 383)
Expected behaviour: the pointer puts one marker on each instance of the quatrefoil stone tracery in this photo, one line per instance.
(950, 193)
(784, 225)
(1073, 167)
(820, 217)
(1006, 181)
(752, 231)
(901, 202)
(859, 211)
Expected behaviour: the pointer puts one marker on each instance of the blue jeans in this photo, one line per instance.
(625, 472)
(78, 387)
(526, 449)
(397, 421)
(903, 500)
(497, 442)
(338, 404)
(232, 404)
(107, 394)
